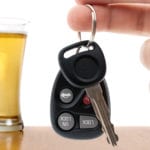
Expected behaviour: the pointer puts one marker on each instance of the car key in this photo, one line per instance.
(86, 70)
(72, 114)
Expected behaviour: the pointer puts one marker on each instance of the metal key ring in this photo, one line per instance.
(93, 32)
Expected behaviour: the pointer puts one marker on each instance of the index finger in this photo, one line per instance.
(134, 20)
(110, 1)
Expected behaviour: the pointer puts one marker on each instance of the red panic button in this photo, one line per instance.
(86, 100)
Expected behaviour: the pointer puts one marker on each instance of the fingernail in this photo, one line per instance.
(145, 54)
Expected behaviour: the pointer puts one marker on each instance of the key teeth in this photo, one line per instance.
(108, 141)
(113, 144)
(117, 138)
(113, 126)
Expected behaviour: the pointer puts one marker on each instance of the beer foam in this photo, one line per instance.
(13, 25)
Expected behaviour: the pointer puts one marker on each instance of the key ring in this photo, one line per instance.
(93, 32)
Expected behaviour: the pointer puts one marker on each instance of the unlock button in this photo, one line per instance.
(88, 122)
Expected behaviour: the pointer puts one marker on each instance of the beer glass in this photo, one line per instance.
(12, 44)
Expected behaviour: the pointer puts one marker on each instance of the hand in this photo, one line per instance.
(115, 16)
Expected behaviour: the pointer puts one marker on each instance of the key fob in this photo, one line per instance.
(84, 68)
(72, 114)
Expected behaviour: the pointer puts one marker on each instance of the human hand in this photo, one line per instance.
(121, 16)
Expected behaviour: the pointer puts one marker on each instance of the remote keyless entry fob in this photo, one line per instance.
(72, 114)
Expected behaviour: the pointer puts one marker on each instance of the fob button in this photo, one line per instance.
(86, 100)
(66, 95)
(88, 122)
(86, 67)
(66, 121)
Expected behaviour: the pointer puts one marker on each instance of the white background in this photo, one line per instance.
(48, 33)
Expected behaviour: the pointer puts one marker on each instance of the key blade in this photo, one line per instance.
(105, 129)
(102, 112)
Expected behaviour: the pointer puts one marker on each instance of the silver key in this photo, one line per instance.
(102, 112)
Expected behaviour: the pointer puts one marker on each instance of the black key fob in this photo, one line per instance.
(84, 68)
(72, 114)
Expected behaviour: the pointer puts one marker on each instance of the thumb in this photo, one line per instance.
(145, 54)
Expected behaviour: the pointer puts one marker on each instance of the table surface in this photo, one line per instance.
(44, 138)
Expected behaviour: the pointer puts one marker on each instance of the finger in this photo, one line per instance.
(145, 54)
(123, 19)
(110, 1)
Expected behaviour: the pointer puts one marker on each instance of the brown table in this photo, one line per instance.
(44, 138)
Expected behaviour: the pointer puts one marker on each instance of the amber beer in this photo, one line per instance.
(11, 57)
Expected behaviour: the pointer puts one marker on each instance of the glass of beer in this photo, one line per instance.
(12, 44)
